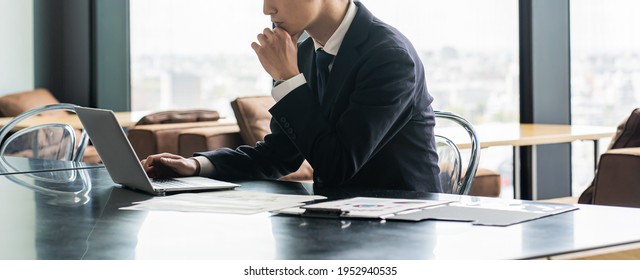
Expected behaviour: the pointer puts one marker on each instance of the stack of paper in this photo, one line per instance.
(489, 212)
(371, 207)
(233, 202)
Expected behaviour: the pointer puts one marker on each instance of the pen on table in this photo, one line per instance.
(325, 212)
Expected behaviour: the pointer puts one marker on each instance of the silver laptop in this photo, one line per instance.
(122, 163)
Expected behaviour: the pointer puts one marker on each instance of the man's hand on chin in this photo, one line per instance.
(278, 53)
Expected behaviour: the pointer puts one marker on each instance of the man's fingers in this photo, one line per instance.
(264, 40)
(268, 32)
(255, 46)
(281, 32)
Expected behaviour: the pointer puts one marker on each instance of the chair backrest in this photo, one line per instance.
(253, 117)
(617, 184)
(48, 140)
(450, 158)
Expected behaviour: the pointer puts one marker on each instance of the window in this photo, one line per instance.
(470, 52)
(605, 71)
(195, 53)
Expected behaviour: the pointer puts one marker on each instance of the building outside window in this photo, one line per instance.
(195, 53)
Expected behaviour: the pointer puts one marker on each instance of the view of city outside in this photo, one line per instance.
(197, 54)
(605, 72)
(470, 52)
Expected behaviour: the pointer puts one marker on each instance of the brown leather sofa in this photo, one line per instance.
(253, 120)
(158, 132)
(617, 180)
(14, 104)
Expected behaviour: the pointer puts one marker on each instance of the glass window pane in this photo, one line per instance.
(605, 72)
(605, 60)
(195, 53)
(470, 52)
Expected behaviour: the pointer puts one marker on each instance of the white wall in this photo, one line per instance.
(16, 74)
(16, 46)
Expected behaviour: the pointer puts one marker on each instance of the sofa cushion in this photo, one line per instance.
(157, 138)
(179, 117)
(12, 105)
(201, 139)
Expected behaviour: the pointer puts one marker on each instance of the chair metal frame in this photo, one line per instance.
(464, 186)
(84, 138)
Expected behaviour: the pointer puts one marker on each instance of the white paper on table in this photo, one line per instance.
(232, 202)
(371, 207)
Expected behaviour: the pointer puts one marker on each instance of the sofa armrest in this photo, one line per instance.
(617, 179)
(158, 138)
(208, 138)
(486, 182)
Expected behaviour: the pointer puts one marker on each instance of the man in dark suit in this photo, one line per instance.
(351, 99)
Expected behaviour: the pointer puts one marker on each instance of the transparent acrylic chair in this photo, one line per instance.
(48, 140)
(450, 158)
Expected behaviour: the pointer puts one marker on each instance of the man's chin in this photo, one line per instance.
(293, 34)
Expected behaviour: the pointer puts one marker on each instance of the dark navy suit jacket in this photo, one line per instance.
(372, 131)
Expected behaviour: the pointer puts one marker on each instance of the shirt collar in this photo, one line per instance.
(333, 44)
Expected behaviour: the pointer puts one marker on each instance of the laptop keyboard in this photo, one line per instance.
(170, 184)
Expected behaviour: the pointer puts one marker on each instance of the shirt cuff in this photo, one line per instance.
(206, 167)
(287, 86)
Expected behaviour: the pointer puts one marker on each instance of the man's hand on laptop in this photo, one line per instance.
(168, 165)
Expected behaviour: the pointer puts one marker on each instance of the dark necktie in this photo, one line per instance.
(323, 59)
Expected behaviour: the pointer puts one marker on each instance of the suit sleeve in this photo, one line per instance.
(269, 159)
(378, 107)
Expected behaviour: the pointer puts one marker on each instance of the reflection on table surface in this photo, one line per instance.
(37, 226)
(17, 165)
